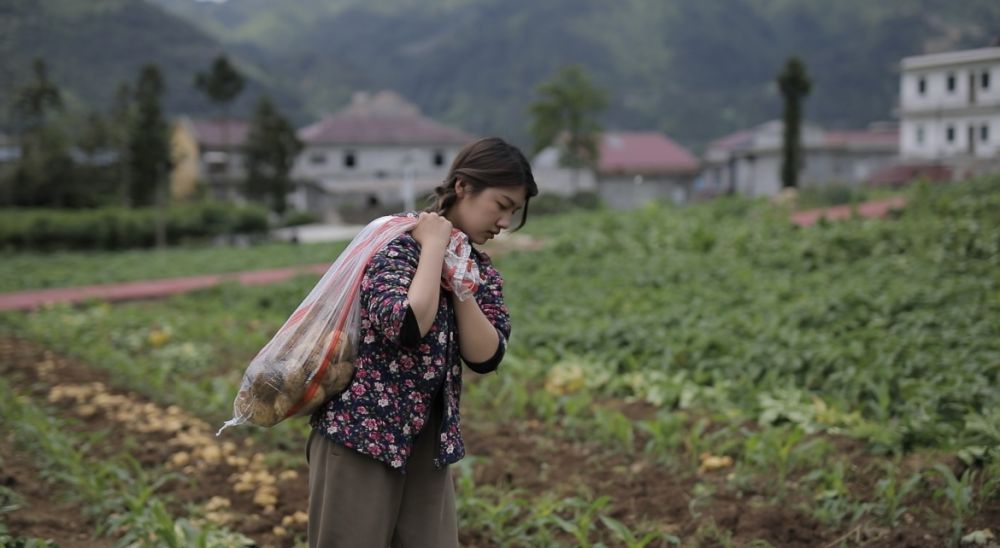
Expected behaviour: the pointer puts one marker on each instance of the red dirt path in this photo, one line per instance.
(152, 289)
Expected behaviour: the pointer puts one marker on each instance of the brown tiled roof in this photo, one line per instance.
(643, 153)
(385, 118)
(220, 133)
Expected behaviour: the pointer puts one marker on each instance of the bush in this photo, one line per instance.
(119, 228)
(547, 204)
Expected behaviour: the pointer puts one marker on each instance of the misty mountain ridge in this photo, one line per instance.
(694, 70)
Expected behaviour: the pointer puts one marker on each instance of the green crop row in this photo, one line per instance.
(729, 307)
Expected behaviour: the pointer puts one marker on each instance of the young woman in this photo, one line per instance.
(379, 452)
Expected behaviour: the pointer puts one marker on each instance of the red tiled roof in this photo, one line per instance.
(385, 118)
(733, 140)
(643, 153)
(220, 133)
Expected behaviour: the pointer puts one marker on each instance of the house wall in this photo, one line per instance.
(758, 173)
(628, 192)
(328, 162)
(184, 176)
(938, 123)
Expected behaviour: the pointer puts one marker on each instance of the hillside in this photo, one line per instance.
(92, 47)
(696, 70)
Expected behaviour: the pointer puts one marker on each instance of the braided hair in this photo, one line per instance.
(487, 162)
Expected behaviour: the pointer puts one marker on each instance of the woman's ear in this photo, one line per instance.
(460, 188)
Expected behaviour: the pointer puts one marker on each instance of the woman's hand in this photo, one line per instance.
(432, 230)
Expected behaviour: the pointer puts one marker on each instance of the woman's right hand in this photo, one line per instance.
(432, 229)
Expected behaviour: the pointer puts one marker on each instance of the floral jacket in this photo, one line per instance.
(398, 374)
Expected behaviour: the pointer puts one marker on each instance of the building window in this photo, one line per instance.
(317, 158)
(984, 80)
(920, 135)
(950, 134)
(922, 85)
(984, 133)
(438, 158)
(951, 82)
(350, 161)
(217, 168)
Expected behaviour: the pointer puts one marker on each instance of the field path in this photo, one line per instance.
(879, 209)
(155, 289)
(162, 288)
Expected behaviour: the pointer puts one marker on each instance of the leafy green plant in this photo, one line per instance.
(891, 492)
(959, 493)
(631, 539)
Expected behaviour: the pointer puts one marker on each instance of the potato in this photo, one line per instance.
(268, 383)
(337, 377)
(255, 411)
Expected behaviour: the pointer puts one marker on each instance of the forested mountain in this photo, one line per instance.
(691, 68)
(93, 47)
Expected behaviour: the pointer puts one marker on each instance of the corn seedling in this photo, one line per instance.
(958, 492)
(890, 494)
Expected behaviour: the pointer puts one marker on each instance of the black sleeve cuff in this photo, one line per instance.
(409, 334)
(489, 365)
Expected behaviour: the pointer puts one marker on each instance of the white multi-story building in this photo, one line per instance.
(950, 107)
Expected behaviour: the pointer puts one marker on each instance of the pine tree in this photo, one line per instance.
(568, 110)
(149, 148)
(222, 84)
(270, 150)
(34, 102)
(120, 127)
(44, 172)
(794, 85)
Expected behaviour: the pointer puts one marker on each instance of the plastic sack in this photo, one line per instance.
(460, 274)
(311, 357)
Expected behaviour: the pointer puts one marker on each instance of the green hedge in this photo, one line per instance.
(121, 228)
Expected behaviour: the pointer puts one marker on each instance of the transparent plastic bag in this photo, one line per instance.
(311, 357)
(460, 274)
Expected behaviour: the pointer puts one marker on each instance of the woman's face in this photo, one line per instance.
(482, 216)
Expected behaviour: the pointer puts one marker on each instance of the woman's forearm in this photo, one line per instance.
(477, 338)
(425, 288)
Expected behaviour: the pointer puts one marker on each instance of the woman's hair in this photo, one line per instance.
(488, 162)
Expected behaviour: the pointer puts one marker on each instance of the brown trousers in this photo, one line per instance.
(358, 502)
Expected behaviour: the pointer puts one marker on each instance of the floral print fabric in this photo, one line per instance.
(389, 400)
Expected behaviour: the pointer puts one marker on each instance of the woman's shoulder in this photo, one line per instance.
(403, 242)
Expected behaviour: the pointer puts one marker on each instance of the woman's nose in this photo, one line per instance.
(504, 222)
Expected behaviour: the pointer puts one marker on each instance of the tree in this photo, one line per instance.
(119, 128)
(33, 102)
(568, 112)
(222, 83)
(270, 151)
(44, 172)
(794, 85)
(149, 148)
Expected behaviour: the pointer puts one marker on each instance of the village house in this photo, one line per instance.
(949, 110)
(380, 151)
(632, 168)
(209, 152)
(748, 162)
(639, 167)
